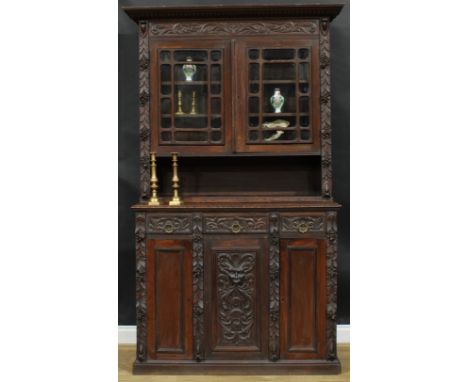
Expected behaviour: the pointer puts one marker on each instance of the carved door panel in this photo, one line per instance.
(169, 288)
(236, 298)
(302, 299)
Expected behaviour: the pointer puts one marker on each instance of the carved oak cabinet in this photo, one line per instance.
(243, 275)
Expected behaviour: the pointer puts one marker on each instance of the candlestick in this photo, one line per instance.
(179, 103)
(175, 182)
(153, 182)
(194, 107)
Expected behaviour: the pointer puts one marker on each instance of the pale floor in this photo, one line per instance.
(127, 356)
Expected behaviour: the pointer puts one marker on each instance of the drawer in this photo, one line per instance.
(302, 223)
(227, 223)
(167, 224)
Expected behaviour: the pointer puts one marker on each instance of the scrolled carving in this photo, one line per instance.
(169, 224)
(325, 109)
(141, 286)
(274, 288)
(144, 122)
(332, 284)
(235, 224)
(236, 290)
(302, 224)
(220, 28)
(197, 286)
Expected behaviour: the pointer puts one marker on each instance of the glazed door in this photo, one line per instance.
(169, 289)
(191, 84)
(302, 299)
(278, 108)
(236, 277)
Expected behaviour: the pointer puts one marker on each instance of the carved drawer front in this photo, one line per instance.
(302, 223)
(235, 223)
(168, 224)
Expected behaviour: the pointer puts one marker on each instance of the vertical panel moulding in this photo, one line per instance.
(209, 115)
(141, 309)
(274, 288)
(325, 109)
(332, 284)
(144, 118)
(197, 276)
(297, 64)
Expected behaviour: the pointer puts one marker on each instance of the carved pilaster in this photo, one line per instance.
(325, 109)
(274, 287)
(141, 286)
(332, 284)
(145, 132)
(197, 279)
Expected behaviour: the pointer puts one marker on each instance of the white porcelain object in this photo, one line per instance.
(277, 101)
(189, 69)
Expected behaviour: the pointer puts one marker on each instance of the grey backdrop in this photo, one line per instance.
(129, 151)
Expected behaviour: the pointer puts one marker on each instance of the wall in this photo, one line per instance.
(129, 151)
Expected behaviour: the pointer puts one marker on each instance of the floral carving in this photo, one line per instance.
(235, 224)
(302, 224)
(169, 224)
(238, 28)
(141, 286)
(332, 284)
(197, 285)
(274, 288)
(236, 289)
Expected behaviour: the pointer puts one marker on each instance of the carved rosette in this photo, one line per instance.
(274, 287)
(325, 109)
(169, 224)
(332, 284)
(222, 28)
(197, 280)
(141, 286)
(144, 121)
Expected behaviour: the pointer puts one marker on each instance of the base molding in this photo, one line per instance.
(238, 368)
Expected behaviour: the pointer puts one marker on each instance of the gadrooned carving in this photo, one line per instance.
(141, 286)
(274, 288)
(169, 224)
(220, 28)
(302, 224)
(332, 284)
(236, 290)
(144, 121)
(235, 224)
(325, 109)
(197, 286)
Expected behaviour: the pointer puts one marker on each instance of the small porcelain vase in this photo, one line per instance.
(277, 101)
(189, 69)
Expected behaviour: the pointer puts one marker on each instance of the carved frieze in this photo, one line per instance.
(274, 288)
(169, 224)
(227, 224)
(223, 28)
(332, 283)
(235, 290)
(141, 308)
(197, 284)
(302, 224)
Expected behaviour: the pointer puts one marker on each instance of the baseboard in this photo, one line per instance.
(127, 334)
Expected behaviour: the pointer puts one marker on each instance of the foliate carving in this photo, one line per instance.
(235, 224)
(274, 288)
(221, 28)
(143, 53)
(332, 284)
(236, 289)
(197, 280)
(169, 224)
(325, 109)
(302, 224)
(141, 286)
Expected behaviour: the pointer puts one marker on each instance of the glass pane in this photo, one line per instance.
(278, 54)
(253, 72)
(305, 135)
(253, 54)
(215, 55)
(165, 123)
(166, 136)
(165, 73)
(195, 55)
(270, 121)
(304, 121)
(165, 55)
(190, 99)
(191, 136)
(253, 104)
(253, 135)
(216, 136)
(304, 87)
(279, 135)
(192, 72)
(189, 122)
(304, 104)
(279, 71)
(254, 87)
(253, 121)
(165, 89)
(304, 71)
(215, 73)
(215, 106)
(166, 106)
(216, 123)
(303, 53)
(288, 91)
(215, 88)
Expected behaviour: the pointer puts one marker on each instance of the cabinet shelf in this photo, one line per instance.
(190, 82)
(190, 115)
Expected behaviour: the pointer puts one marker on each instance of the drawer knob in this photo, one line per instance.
(303, 227)
(236, 227)
(169, 227)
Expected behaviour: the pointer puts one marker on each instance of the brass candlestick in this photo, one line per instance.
(175, 183)
(194, 105)
(179, 103)
(153, 182)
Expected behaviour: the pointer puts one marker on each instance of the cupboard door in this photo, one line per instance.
(236, 277)
(302, 299)
(169, 288)
(191, 84)
(279, 87)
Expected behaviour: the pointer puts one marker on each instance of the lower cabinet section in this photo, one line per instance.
(169, 288)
